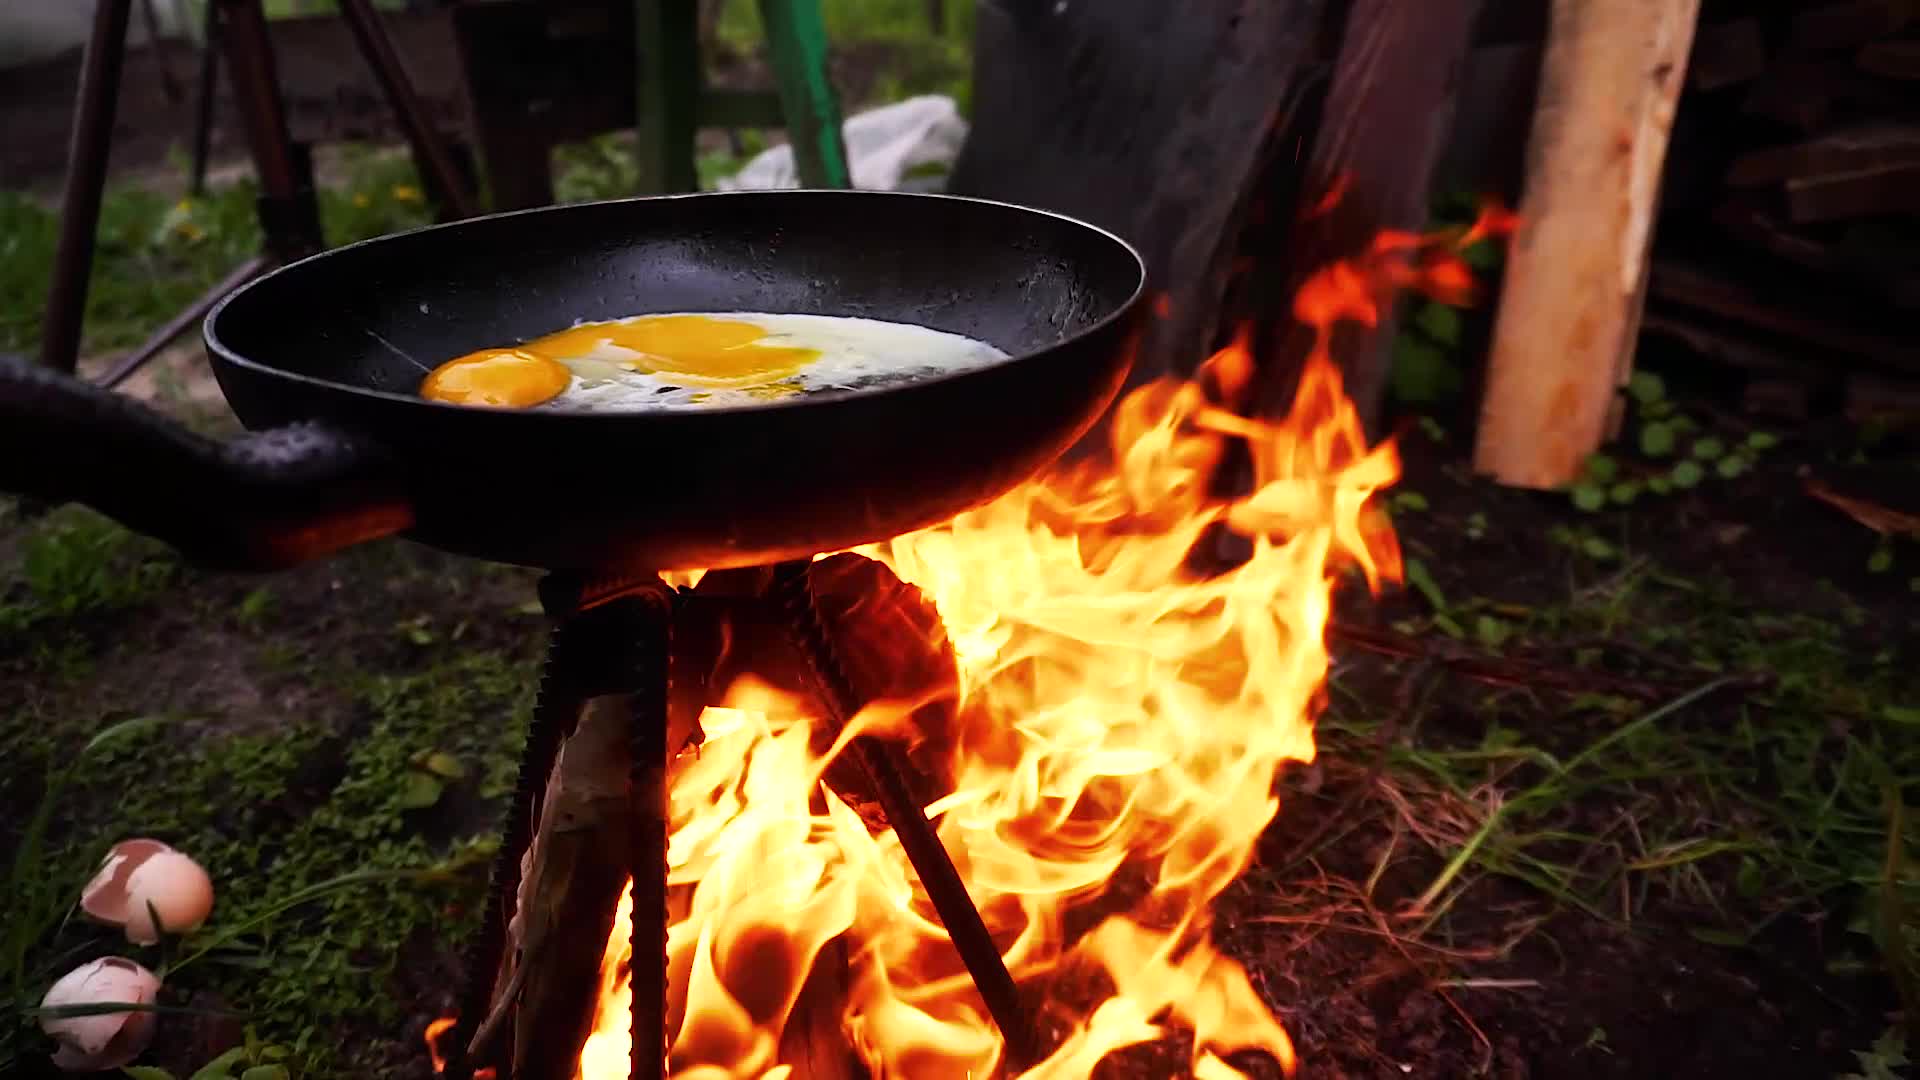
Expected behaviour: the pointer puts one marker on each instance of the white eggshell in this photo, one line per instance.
(102, 1040)
(141, 877)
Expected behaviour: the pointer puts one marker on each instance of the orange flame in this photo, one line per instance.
(437, 1028)
(1126, 717)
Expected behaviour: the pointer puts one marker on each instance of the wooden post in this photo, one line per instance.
(1571, 305)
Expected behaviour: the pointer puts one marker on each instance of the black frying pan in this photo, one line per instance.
(321, 360)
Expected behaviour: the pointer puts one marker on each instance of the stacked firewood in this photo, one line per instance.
(1790, 235)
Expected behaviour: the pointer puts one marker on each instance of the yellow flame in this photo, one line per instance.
(1125, 717)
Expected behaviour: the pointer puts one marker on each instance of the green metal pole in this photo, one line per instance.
(667, 52)
(797, 46)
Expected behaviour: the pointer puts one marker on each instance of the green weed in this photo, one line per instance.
(72, 564)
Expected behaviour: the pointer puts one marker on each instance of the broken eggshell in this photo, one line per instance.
(101, 1040)
(141, 878)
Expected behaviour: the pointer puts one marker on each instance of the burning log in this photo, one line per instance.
(576, 873)
(1576, 273)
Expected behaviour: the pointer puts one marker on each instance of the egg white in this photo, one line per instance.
(854, 355)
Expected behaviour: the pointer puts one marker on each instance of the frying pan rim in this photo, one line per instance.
(617, 416)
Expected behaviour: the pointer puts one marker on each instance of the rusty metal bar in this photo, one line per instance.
(184, 321)
(208, 90)
(87, 150)
(971, 939)
(443, 179)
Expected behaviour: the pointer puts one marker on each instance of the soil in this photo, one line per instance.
(1578, 997)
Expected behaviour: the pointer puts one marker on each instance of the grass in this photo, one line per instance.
(1766, 798)
(157, 252)
(346, 837)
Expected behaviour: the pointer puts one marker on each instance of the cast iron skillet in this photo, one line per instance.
(321, 359)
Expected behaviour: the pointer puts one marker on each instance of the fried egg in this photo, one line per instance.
(685, 360)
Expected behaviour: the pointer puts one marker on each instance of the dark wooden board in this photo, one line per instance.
(1148, 118)
(1387, 119)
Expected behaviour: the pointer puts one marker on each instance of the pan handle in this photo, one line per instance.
(264, 501)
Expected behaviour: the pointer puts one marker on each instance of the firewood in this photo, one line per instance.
(1891, 402)
(577, 872)
(1713, 343)
(1804, 92)
(814, 1041)
(1837, 332)
(1864, 147)
(1869, 192)
(1891, 59)
(1571, 307)
(1845, 25)
(1776, 399)
(1727, 54)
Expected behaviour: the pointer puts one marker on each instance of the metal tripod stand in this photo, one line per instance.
(288, 212)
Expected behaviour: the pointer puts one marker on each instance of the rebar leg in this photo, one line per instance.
(555, 711)
(87, 150)
(652, 615)
(793, 592)
(289, 213)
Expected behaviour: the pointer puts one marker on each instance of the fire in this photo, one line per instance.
(1124, 718)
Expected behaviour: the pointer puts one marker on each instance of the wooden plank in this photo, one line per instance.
(1570, 307)
(1806, 92)
(1891, 59)
(1381, 153)
(1856, 193)
(1147, 118)
(1727, 54)
(1876, 146)
(1822, 322)
(1849, 24)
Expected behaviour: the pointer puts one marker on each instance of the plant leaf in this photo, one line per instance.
(1624, 492)
(265, 1072)
(1709, 448)
(1762, 440)
(1656, 440)
(1602, 469)
(1589, 497)
(1439, 322)
(1646, 387)
(1732, 465)
(221, 1068)
(1687, 475)
(419, 790)
(146, 1072)
(1422, 580)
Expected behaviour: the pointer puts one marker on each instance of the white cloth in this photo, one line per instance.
(884, 146)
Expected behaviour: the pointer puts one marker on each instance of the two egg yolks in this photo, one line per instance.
(690, 350)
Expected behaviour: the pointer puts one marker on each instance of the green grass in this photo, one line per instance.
(157, 252)
(346, 836)
(925, 59)
(1729, 807)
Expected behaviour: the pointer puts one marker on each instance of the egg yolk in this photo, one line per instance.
(690, 349)
(510, 378)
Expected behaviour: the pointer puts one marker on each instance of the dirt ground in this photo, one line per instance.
(397, 647)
